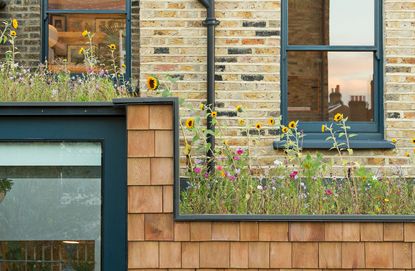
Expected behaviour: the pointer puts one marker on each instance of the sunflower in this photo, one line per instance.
(85, 33)
(81, 51)
(413, 140)
(190, 123)
(13, 33)
(202, 106)
(407, 154)
(271, 121)
(338, 117)
(394, 140)
(284, 129)
(15, 24)
(323, 128)
(214, 114)
(292, 125)
(152, 83)
(239, 108)
(112, 46)
(242, 122)
(258, 125)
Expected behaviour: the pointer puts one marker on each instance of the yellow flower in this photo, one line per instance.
(386, 200)
(258, 125)
(190, 123)
(202, 106)
(394, 140)
(226, 142)
(413, 140)
(407, 154)
(338, 117)
(214, 114)
(284, 129)
(15, 24)
(292, 125)
(271, 121)
(81, 51)
(239, 108)
(123, 66)
(222, 173)
(152, 83)
(112, 46)
(323, 128)
(242, 122)
(85, 33)
(13, 33)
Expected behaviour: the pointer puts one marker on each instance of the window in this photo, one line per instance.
(64, 22)
(332, 62)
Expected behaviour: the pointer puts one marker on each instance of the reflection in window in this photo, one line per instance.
(51, 218)
(66, 40)
(88, 4)
(321, 84)
(331, 22)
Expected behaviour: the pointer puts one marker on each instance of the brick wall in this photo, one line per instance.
(173, 41)
(156, 241)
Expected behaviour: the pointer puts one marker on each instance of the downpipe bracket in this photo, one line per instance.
(211, 21)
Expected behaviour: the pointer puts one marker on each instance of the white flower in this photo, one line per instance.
(260, 187)
(375, 178)
(277, 163)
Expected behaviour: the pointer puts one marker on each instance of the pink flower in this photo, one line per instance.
(329, 192)
(206, 175)
(236, 158)
(240, 151)
(294, 175)
(197, 170)
(220, 168)
(232, 178)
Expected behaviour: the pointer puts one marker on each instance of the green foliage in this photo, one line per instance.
(5, 185)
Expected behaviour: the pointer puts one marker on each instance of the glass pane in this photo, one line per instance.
(331, 22)
(51, 217)
(322, 84)
(66, 41)
(89, 4)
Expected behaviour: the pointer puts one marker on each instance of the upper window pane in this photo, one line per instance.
(88, 4)
(331, 22)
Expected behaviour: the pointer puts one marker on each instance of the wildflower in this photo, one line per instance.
(242, 122)
(15, 24)
(112, 46)
(239, 108)
(394, 140)
(226, 142)
(202, 106)
(260, 187)
(413, 140)
(123, 66)
(223, 174)
(206, 175)
(338, 117)
(220, 168)
(190, 123)
(407, 154)
(13, 33)
(284, 129)
(292, 125)
(197, 170)
(237, 171)
(258, 125)
(214, 114)
(386, 200)
(152, 83)
(232, 178)
(240, 151)
(294, 175)
(85, 33)
(277, 163)
(236, 158)
(323, 128)
(328, 192)
(81, 51)
(271, 121)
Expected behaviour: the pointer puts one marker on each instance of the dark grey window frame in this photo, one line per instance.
(370, 134)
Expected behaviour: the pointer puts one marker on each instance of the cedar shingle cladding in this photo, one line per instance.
(157, 242)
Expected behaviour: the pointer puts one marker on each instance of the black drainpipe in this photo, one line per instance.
(211, 22)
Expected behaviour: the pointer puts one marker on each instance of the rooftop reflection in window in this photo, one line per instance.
(331, 22)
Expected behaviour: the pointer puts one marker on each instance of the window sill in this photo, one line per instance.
(355, 144)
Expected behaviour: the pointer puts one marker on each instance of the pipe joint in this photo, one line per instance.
(211, 21)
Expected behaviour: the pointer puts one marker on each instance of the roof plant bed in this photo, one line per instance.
(298, 185)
